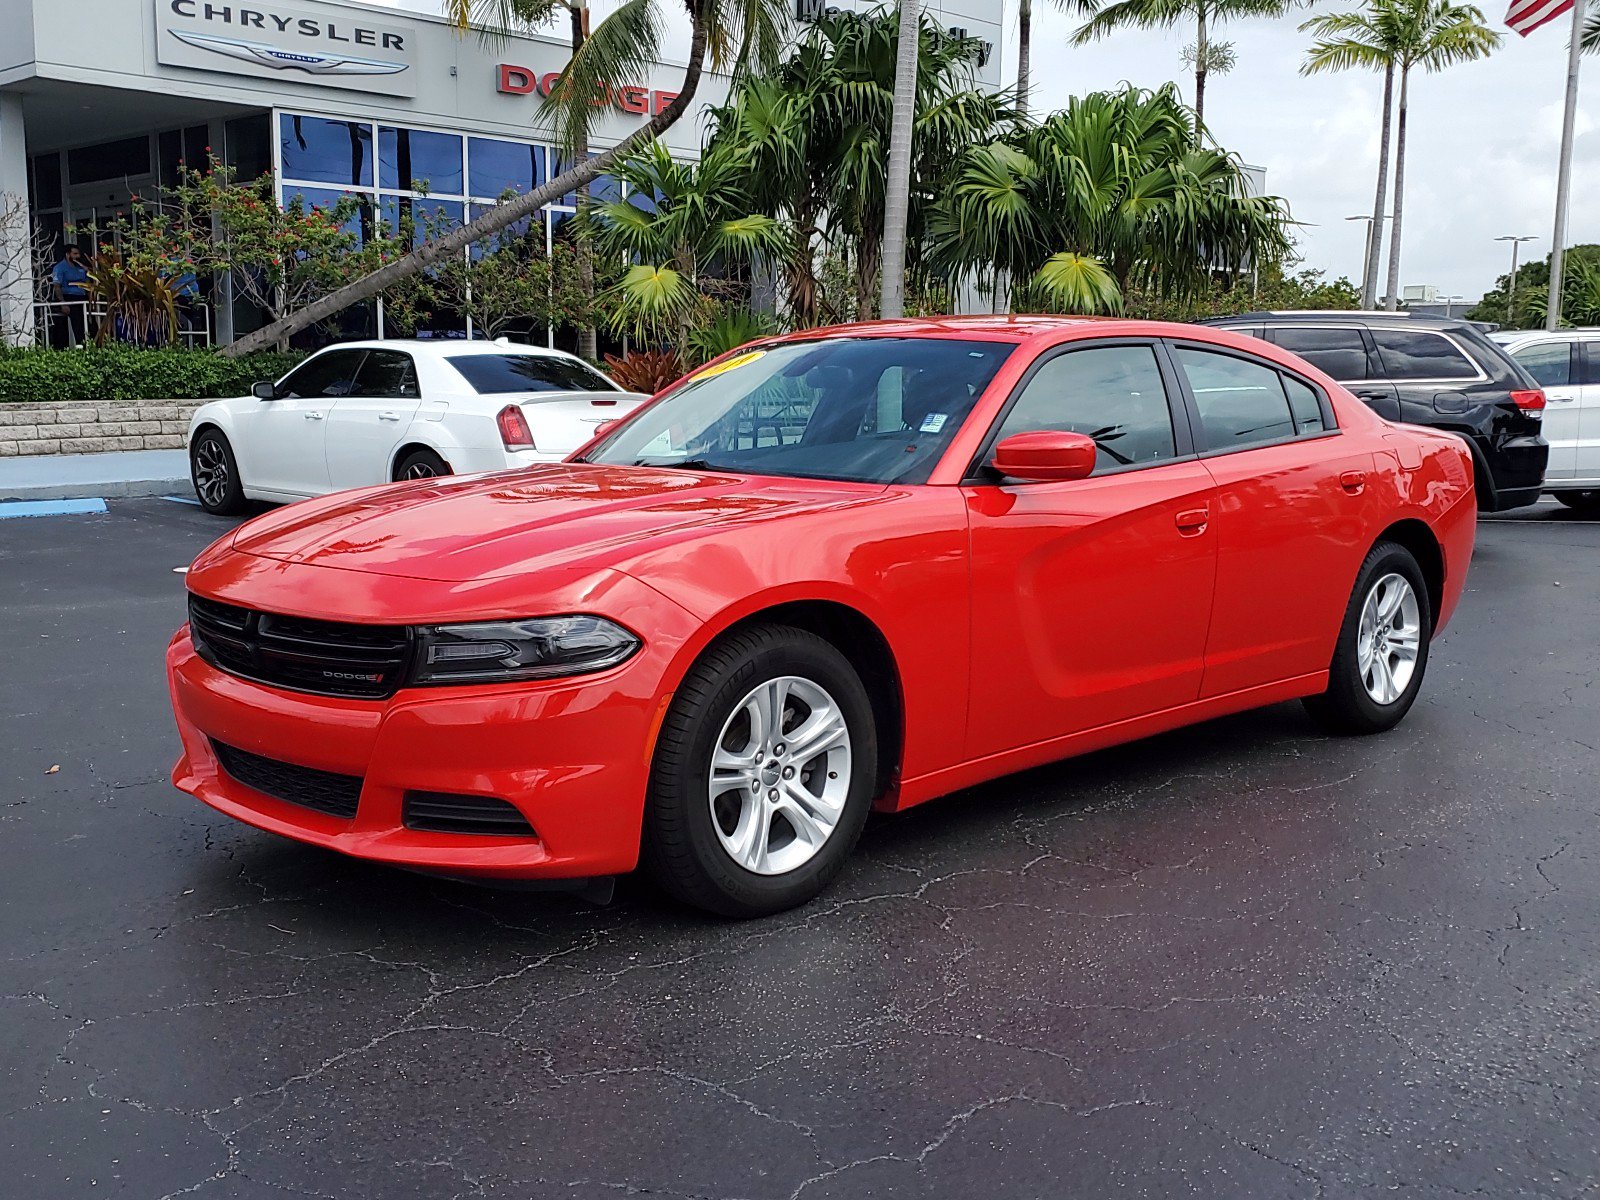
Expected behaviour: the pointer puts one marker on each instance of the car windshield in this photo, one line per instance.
(496, 374)
(868, 409)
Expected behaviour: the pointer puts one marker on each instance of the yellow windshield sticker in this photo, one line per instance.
(738, 360)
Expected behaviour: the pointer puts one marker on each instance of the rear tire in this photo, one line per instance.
(1382, 652)
(421, 464)
(748, 816)
(214, 472)
(1584, 503)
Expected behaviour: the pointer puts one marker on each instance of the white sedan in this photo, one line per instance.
(362, 413)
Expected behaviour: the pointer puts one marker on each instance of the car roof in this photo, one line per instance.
(1311, 316)
(1582, 332)
(451, 346)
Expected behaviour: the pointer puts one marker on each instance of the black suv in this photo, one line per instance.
(1427, 371)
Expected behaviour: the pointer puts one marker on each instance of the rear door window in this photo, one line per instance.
(1339, 352)
(1241, 402)
(1550, 363)
(1413, 354)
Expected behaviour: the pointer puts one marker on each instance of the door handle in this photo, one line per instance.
(1559, 399)
(1354, 482)
(1193, 520)
(388, 416)
(313, 416)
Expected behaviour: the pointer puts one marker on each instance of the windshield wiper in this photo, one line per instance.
(682, 464)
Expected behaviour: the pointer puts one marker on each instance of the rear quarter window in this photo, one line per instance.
(1411, 354)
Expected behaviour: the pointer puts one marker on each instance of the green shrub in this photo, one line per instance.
(127, 373)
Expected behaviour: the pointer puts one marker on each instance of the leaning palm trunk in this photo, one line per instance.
(588, 341)
(1392, 299)
(897, 195)
(1369, 280)
(501, 216)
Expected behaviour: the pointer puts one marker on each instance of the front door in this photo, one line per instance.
(282, 443)
(1554, 366)
(1090, 598)
(1288, 517)
(366, 426)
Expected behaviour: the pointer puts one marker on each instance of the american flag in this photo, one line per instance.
(1524, 16)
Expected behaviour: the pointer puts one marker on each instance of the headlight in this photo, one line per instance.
(504, 651)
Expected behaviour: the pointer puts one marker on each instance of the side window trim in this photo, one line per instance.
(1203, 448)
(978, 471)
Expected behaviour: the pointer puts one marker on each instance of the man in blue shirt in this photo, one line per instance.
(71, 278)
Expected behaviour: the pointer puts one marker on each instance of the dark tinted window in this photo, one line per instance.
(386, 373)
(1421, 354)
(1550, 363)
(326, 151)
(1588, 362)
(1113, 394)
(408, 156)
(327, 374)
(109, 160)
(247, 145)
(495, 374)
(1305, 406)
(871, 409)
(1341, 353)
(46, 179)
(1241, 402)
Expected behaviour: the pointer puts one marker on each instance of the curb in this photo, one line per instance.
(118, 489)
(111, 476)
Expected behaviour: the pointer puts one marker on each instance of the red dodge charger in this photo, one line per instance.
(848, 569)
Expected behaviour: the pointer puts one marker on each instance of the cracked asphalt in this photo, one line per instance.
(1239, 960)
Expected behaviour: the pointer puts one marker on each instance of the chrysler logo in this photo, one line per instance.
(267, 55)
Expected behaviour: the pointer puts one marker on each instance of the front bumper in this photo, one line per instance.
(572, 756)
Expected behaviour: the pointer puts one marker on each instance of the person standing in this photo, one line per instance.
(71, 279)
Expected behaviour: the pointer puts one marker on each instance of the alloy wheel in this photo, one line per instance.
(780, 775)
(211, 472)
(1389, 638)
(420, 470)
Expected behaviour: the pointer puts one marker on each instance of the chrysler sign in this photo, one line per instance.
(277, 42)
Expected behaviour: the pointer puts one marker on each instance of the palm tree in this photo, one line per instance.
(816, 134)
(735, 36)
(897, 195)
(1159, 14)
(1116, 191)
(697, 212)
(495, 16)
(1394, 36)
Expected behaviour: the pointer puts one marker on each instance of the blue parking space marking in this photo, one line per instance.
(183, 500)
(50, 508)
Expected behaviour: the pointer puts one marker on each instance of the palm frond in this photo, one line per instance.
(618, 53)
(1077, 283)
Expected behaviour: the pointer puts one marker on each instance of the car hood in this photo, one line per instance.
(517, 522)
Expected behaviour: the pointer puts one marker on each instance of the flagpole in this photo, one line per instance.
(1552, 314)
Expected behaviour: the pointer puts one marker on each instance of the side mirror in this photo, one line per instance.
(1045, 455)
(265, 390)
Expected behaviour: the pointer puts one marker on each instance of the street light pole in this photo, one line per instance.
(1511, 287)
(1366, 262)
(1449, 305)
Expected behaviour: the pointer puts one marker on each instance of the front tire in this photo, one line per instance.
(1382, 652)
(1585, 503)
(421, 464)
(763, 774)
(215, 474)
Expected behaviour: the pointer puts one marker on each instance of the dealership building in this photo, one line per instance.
(102, 100)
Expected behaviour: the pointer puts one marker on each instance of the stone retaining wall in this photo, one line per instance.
(84, 428)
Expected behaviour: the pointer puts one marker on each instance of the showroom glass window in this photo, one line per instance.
(1113, 394)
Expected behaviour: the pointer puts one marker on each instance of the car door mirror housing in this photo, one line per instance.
(265, 390)
(1045, 456)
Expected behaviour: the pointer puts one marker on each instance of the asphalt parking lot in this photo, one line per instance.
(1239, 960)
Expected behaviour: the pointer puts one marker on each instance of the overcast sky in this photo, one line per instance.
(1484, 137)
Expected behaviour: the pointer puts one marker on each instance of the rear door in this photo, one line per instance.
(365, 426)
(1551, 362)
(1090, 597)
(282, 442)
(1288, 517)
(1346, 353)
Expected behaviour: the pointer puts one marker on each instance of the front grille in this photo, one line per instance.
(329, 658)
(444, 812)
(323, 791)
